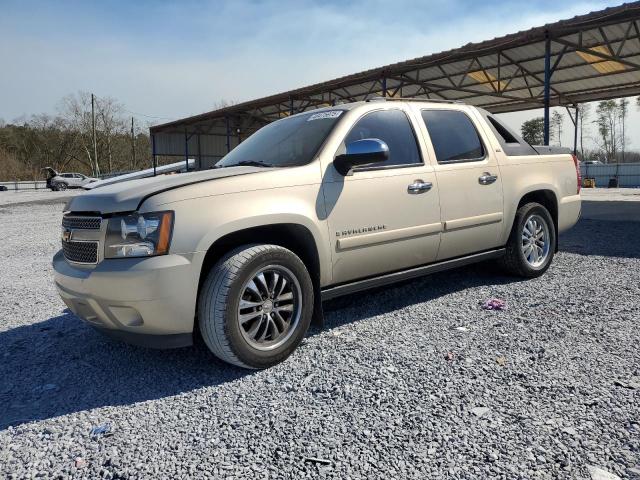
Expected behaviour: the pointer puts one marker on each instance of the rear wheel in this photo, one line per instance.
(256, 306)
(59, 187)
(532, 242)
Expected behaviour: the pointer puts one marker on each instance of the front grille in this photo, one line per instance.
(80, 252)
(81, 223)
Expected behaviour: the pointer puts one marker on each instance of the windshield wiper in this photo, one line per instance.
(251, 163)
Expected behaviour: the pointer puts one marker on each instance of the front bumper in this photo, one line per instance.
(144, 301)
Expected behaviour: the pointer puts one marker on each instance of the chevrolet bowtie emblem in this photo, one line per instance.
(66, 235)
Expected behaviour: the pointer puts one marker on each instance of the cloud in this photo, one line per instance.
(177, 59)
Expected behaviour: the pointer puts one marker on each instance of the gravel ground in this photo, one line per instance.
(415, 381)
(31, 197)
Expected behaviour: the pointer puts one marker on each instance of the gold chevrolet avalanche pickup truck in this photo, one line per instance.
(310, 207)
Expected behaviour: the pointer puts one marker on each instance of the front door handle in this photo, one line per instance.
(418, 186)
(487, 179)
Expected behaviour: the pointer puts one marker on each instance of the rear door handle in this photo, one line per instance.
(418, 186)
(487, 179)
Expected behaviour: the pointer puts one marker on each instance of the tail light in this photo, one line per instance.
(578, 176)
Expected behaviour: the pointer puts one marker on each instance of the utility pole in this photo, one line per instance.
(623, 112)
(133, 147)
(93, 132)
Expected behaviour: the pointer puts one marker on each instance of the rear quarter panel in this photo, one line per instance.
(524, 174)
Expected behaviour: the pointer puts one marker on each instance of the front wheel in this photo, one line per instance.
(532, 242)
(256, 306)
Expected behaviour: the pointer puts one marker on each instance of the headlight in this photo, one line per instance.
(138, 235)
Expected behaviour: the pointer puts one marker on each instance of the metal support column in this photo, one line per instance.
(574, 120)
(199, 154)
(290, 106)
(153, 153)
(186, 152)
(547, 87)
(575, 132)
(384, 86)
(226, 119)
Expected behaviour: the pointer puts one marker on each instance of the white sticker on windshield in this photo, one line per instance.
(329, 114)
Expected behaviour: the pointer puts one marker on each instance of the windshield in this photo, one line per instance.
(289, 142)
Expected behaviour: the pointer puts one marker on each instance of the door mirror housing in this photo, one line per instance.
(361, 152)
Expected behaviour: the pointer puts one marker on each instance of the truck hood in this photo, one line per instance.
(127, 196)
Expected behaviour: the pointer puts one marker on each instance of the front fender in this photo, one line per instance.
(199, 222)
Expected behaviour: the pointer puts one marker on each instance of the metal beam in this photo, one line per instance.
(526, 82)
(574, 120)
(445, 75)
(499, 72)
(538, 76)
(629, 89)
(595, 53)
(466, 72)
(575, 134)
(153, 153)
(486, 75)
(624, 40)
(199, 154)
(529, 72)
(515, 75)
(547, 87)
(186, 151)
(432, 88)
(558, 58)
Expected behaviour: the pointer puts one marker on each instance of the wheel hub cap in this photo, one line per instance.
(269, 308)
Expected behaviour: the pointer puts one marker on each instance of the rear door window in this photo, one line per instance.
(453, 135)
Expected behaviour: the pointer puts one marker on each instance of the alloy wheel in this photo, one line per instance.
(535, 240)
(269, 308)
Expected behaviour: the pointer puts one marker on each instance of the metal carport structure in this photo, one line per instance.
(588, 57)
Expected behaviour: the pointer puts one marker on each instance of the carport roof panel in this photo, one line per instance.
(593, 56)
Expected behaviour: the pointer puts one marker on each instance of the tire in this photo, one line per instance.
(59, 187)
(516, 261)
(229, 282)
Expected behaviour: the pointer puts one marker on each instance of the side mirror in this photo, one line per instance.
(361, 152)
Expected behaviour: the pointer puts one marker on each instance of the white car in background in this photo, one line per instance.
(61, 181)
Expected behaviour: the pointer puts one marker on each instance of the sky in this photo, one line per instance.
(166, 60)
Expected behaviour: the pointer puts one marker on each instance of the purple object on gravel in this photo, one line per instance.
(494, 304)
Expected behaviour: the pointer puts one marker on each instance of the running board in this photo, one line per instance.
(395, 277)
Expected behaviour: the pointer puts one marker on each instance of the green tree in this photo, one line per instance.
(533, 131)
